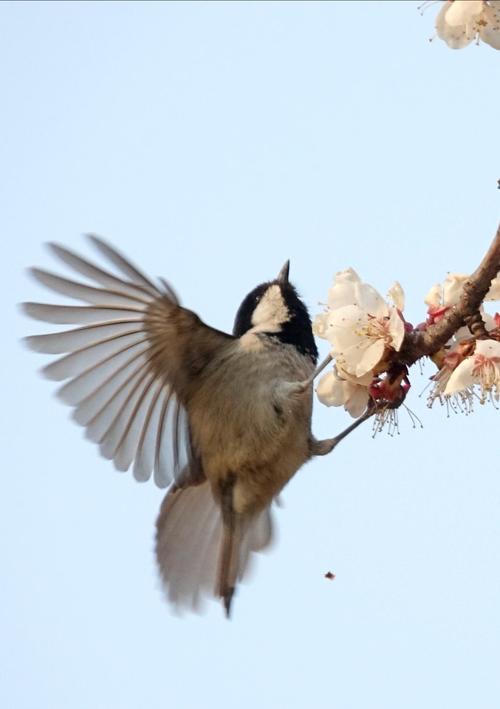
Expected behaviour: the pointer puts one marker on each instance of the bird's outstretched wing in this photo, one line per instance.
(131, 364)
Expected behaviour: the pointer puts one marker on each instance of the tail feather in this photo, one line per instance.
(197, 558)
(259, 536)
(187, 542)
(229, 562)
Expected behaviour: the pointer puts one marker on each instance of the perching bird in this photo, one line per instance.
(224, 419)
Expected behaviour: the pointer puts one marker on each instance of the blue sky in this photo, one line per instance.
(210, 142)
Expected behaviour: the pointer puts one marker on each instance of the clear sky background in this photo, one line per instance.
(210, 142)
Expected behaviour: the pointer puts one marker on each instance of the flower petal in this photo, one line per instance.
(363, 381)
(397, 295)
(346, 325)
(361, 361)
(456, 37)
(453, 287)
(461, 378)
(461, 12)
(488, 348)
(491, 36)
(489, 321)
(434, 297)
(330, 390)
(357, 402)
(370, 300)
(349, 274)
(396, 329)
(490, 32)
(320, 325)
(341, 294)
(343, 290)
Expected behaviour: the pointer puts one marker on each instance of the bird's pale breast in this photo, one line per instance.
(244, 423)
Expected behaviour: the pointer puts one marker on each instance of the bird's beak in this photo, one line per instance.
(283, 274)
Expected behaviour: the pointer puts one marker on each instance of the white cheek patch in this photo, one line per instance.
(271, 312)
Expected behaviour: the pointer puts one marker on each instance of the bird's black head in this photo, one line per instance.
(276, 310)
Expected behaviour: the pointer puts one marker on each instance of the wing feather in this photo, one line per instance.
(129, 441)
(89, 381)
(112, 440)
(104, 278)
(81, 337)
(128, 449)
(78, 361)
(123, 264)
(161, 467)
(82, 314)
(100, 428)
(103, 395)
(144, 458)
(130, 363)
(81, 291)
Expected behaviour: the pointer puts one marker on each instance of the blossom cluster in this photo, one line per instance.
(459, 22)
(466, 366)
(366, 334)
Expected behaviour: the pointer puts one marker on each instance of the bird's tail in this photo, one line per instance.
(198, 555)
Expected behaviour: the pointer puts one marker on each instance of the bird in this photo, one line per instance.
(221, 420)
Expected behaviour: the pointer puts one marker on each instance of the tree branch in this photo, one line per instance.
(424, 343)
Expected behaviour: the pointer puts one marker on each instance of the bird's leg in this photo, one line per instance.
(303, 386)
(328, 444)
(317, 371)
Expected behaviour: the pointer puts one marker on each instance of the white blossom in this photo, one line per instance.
(434, 297)
(360, 338)
(360, 326)
(350, 392)
(320, 325)
(453, 287)
(448, 293)
(443, 296)
(397, 295)
(349, 289)
(455, 354)
(481, 369)
(459, 22)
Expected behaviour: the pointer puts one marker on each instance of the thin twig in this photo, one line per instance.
(328, 444)
(319, 369)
